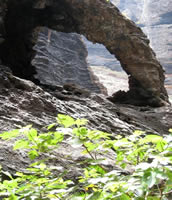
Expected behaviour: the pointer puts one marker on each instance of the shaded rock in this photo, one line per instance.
(119, 42)
(60, 59)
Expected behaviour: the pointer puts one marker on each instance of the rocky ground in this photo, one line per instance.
(23, 103)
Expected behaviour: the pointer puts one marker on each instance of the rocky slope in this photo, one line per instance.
(19, 63)
(23, 103)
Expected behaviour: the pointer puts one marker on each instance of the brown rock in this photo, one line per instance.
(102, 22)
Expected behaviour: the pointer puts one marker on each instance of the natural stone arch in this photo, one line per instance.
(101, 22)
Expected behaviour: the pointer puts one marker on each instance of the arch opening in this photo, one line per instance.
(106, 67)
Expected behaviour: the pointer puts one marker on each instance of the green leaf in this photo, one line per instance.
(150, 178)
(65, 120)
(160, 146)
(90, 146)
(98, 169)
(51, 126)
(81, 122)
(9, 134)
(32, 134)
(12, 184)
(153, 138)
(58, 136)
(42, 166)
(170, 130)
(33, 154)
(124, 197)
(95, 182)
(138, 132)
(12, 197)
(19, 174)
(120, 156)
(21, 144)
(83, 131)
(153, 198)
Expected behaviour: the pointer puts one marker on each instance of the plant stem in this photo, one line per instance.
(89, 152)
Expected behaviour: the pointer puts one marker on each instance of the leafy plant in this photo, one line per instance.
(142, 164)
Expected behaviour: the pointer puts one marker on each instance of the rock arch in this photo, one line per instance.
(101, 22)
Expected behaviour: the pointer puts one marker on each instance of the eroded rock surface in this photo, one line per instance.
(22, 102)
(122, 41)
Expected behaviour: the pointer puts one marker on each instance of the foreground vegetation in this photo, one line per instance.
(142, 165)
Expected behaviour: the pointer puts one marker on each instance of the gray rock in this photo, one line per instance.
(61, 59)
(23, 103)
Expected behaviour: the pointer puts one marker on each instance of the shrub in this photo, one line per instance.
(149, 158)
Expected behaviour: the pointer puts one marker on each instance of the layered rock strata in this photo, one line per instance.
(61, 58)
(22, 103)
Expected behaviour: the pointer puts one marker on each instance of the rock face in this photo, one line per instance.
(95, 20)
(61, 59)
(155, 19)
(121, 43)
(18, 57)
